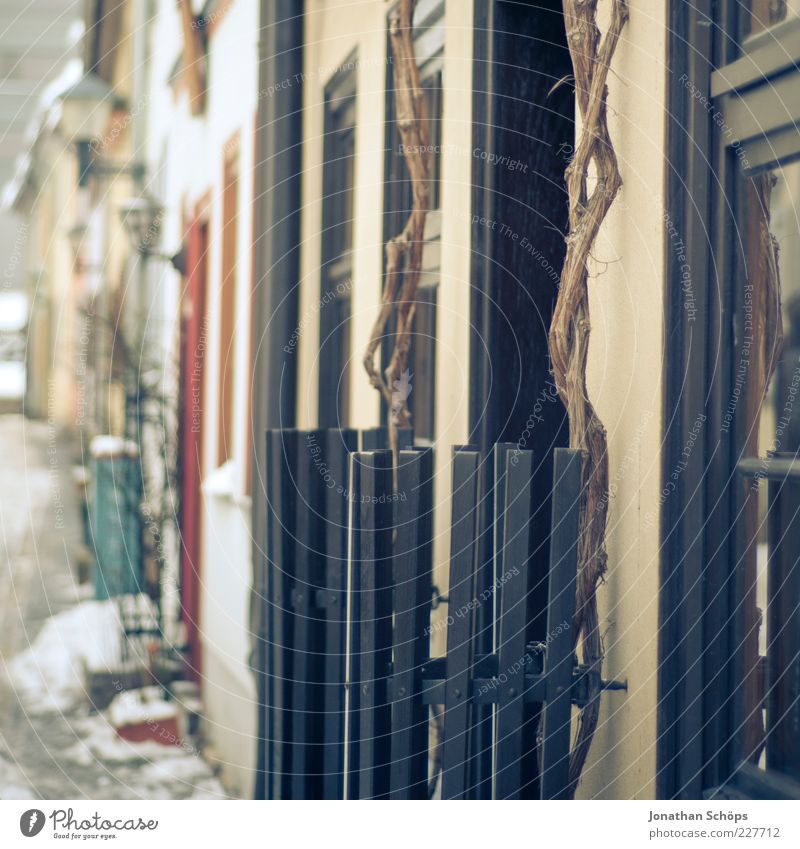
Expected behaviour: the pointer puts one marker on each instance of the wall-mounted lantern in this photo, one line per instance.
(86, 109)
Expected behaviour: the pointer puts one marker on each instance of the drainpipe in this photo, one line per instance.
(275, 289)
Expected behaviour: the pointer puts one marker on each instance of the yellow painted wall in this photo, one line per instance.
(626, 361)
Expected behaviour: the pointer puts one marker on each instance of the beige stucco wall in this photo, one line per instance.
(51, 259)
(625, 375)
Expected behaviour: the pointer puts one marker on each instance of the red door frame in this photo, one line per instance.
(194, 328)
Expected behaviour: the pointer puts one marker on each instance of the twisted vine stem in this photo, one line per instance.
(569, 333)
(404, 251)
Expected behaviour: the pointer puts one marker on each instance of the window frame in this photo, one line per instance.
(724, 99)
(228, 288)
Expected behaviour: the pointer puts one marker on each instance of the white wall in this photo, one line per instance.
(192, 150)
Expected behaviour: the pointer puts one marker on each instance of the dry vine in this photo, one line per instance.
(404, 251)
(569, 334)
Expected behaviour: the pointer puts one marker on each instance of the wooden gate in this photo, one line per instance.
(351, 684)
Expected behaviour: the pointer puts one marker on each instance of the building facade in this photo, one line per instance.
(264, 138)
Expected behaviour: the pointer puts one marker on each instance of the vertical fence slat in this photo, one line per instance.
(561, 608)
(334, 469)
(460, 636)
(513, 656)
(412, 604)
(271, 544)
(281, 525)
(376, 624)
(308, 633)
(487, 615)
(502, 452)
(352, 703)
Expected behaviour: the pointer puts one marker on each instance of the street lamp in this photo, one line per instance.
(86, 109)
(142, 218)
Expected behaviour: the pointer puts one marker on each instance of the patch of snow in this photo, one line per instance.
(12, 783)
(138, 706)
(149, 770)
(12, 380)
(13, 311)
(100, 744)
(112, 446)
(49, 676)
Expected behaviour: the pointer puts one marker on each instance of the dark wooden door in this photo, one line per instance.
(523, 133)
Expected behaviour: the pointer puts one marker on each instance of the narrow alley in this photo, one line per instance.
(53, 745)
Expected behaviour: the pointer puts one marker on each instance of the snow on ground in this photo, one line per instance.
(12, 380)
(12, 782)
(150, 770)
(50, 674)
(13, 312)
(49, 679)
(144, 705)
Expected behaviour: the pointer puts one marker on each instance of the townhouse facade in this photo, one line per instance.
(704, 142)
(200, 139)
(501, 142)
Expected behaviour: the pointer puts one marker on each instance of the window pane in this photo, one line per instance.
(422, 365)
(758, 15)
(770, 366)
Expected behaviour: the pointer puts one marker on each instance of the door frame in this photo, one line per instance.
(194, 352)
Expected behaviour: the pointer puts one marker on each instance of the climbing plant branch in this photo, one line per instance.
(404, 251)
(569, 332)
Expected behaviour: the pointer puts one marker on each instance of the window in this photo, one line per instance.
(337, 245)
(730, 633)
(429, 49)
(227, 350)
(758, 15)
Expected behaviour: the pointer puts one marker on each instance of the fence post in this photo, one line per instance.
(460, 636)
(339, 444)
(511, 583)
(281, 463)
(376, 624)
(308, 623)
(352, 696)
(412, 604)
(559, 656)
(488, 615)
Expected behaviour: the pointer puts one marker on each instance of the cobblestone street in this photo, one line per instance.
(70, 753)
